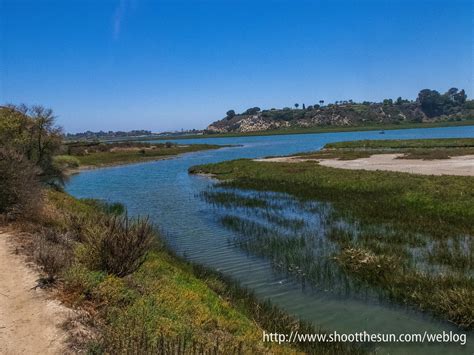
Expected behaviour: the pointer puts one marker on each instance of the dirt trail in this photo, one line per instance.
(30, 323)
(459, 165)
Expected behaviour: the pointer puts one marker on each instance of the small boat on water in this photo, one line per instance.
(382, 132)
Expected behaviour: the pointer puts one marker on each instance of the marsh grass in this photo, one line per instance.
(232, 199)
(405, 238)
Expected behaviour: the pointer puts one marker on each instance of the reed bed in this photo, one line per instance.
(394, 236)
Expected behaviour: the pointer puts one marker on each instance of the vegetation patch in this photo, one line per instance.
(407, 237)
(96, 154)
(426, 149)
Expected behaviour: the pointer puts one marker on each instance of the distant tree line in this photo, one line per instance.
(431, 102)
(109, 134)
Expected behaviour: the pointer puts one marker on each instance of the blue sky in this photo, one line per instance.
(167, 65)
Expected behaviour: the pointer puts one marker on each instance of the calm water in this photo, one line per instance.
(171, 197)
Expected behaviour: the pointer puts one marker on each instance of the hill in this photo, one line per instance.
(430, 106)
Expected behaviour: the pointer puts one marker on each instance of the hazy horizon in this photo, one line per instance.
(168, 65)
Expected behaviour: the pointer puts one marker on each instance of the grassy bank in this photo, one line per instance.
(160, 302)
(99, 155)
(408, 236)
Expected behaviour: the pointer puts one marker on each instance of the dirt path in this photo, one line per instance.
(30, 323)
(460, 165)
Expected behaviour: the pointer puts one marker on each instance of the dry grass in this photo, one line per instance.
(118, 245)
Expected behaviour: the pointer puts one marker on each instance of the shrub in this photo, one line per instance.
(20, 190)
(119, 245)
(52, 257)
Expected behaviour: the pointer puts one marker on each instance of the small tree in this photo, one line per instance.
(297, 105)
(32, 131)
(230, 114)
(252, 111)
(321, 102)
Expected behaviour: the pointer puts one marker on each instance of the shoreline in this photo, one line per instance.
(86, 167)
(313, 130)
(74, 171)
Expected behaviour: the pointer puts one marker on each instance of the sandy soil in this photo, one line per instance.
(30, 322)
(461, 165)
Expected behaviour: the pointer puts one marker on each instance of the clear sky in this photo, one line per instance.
(166, 65)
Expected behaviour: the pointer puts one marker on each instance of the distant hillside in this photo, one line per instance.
(430, 106)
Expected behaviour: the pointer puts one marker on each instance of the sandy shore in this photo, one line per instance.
(460, 165)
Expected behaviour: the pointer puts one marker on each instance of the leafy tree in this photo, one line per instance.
(469, 104)
(321, 102)
(304, 107)
(297, 105)
(252, 111)
(230, 114)
(460, 97)
(431, 102)
(32, 132)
